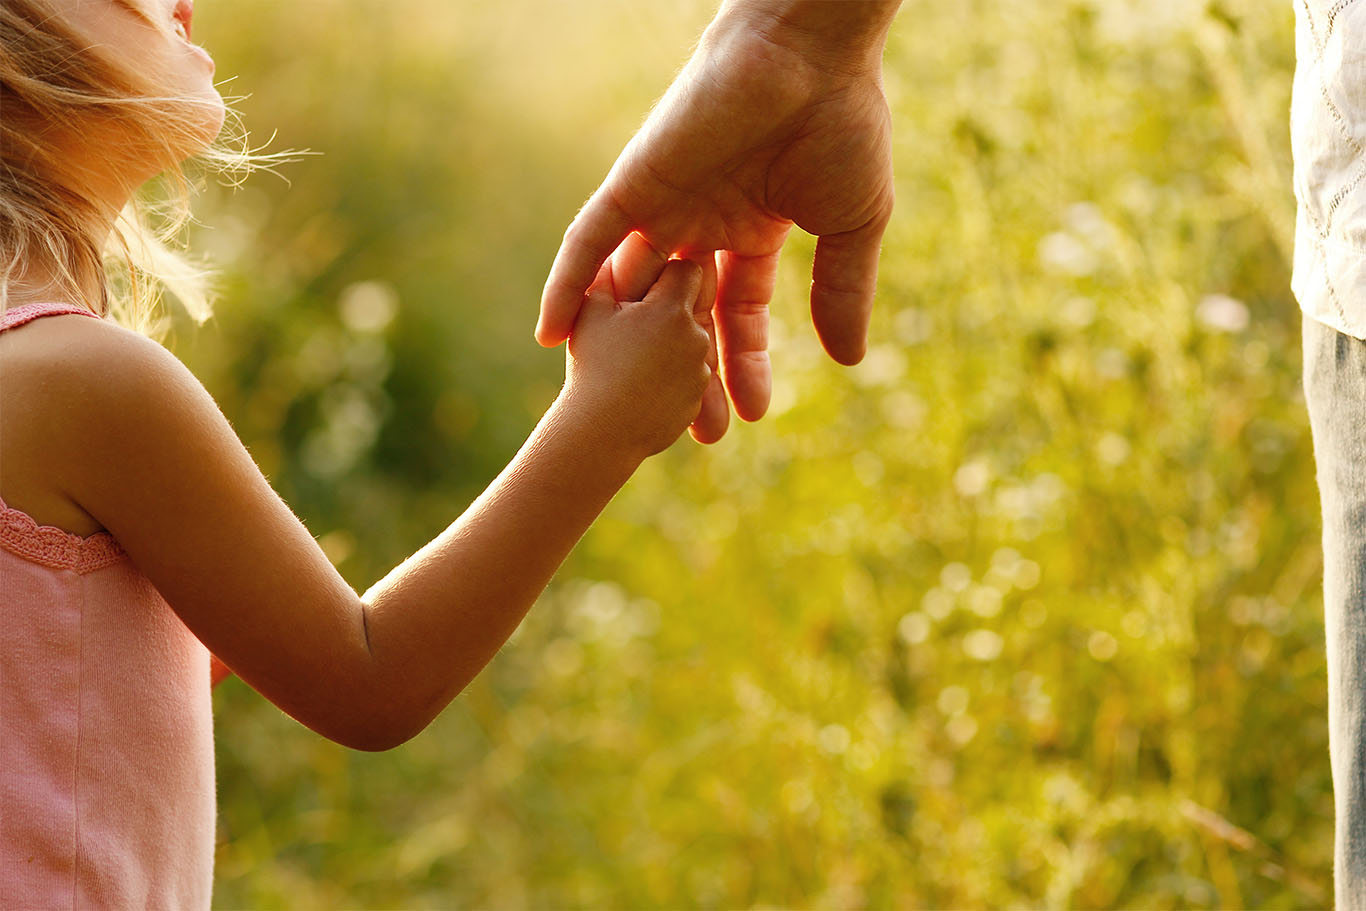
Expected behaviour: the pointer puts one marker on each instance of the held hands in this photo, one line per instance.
(637, 368)
(758, 132)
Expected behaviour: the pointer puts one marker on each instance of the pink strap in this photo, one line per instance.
(56, 548)
(28, 312)
(19, 533)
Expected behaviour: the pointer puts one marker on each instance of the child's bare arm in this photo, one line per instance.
(218, 671)
(178, 490)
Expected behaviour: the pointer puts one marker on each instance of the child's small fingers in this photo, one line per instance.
(706, 297)
(678, 284)
(598, 302)
(636, 266)
(714, 418)
(602, 282)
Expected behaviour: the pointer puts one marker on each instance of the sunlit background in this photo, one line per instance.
(1023, 612)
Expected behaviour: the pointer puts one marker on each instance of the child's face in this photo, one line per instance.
(151, 38)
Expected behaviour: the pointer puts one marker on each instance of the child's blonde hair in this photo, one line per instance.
(52, 82)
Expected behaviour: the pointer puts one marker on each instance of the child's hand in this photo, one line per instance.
(637, 369)
(633, 268)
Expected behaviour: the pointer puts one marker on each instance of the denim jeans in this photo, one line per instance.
(1335, 388)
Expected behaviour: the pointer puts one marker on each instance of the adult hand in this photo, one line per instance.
(778, 118)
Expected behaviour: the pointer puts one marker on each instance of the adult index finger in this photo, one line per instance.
(746, 287)
(591, 237)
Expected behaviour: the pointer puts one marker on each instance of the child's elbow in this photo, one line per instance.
(379, 728)
(377, 737)
(378, 712)
(376, 742)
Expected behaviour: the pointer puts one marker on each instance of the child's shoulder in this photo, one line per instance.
(74, 390)
(96, 360)
(89, 372)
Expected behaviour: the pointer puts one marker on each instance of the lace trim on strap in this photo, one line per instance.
(56, 548)
(45, 545)
(24, 313)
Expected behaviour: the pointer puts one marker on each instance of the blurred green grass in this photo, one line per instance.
(1022, 612)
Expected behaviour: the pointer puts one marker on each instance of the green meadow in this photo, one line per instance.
(1021, 612)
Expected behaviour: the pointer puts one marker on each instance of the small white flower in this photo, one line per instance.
(983, 645)
(1222, 313)
(914, 628)
(972, 478)
(1112, 449)
(1062, 252)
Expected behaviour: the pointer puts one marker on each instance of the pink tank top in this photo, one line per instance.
(106, 735)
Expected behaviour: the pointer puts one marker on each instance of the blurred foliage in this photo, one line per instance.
(1022, 612)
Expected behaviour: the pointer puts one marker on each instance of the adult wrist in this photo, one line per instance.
(836, 36)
